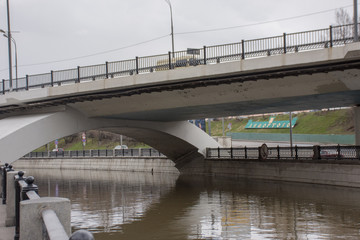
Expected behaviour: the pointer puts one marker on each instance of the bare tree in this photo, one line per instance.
(344, 31)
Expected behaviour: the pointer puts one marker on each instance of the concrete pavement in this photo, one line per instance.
(6, 233)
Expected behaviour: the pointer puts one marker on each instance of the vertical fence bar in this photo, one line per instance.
(338, 151)
(296, 152)
(218, 152)
(278, 151)
(245, 150)
(3, 86)
(231, 153)
(284, 37)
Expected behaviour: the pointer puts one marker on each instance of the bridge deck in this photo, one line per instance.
(6, 233)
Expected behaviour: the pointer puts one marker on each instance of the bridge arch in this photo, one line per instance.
(180, 141)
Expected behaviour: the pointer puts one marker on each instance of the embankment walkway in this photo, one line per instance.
(6, 233)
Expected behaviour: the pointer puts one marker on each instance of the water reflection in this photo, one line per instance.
(129, 205)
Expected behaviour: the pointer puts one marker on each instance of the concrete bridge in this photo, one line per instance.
(152, 107)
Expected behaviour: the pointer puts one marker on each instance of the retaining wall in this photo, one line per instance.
(344, 173)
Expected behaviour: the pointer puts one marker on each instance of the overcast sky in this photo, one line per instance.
(58, 34)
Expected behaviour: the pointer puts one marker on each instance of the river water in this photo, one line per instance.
(135, 206)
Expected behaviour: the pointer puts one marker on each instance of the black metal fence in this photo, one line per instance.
(131, 152)
(287, 153)
(286, 43)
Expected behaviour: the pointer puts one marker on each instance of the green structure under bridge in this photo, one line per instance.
(271, 124)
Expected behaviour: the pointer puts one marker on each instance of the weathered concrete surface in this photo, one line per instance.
(149, 164)
(31, 225)
(10, 199)
(6, 233)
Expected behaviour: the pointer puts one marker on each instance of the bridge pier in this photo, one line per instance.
(357, 124)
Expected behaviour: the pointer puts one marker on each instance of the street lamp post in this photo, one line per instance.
(9, 45)
(172, 27)
(356, 35)
(16, 63)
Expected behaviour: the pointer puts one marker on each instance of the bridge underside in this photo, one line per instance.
(180, 141)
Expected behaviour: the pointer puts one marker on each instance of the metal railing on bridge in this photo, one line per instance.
(287, 153)
(131, 152)
(286, 43)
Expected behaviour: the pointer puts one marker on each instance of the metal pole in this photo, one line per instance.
(291, 140)
(16, 64)
(172, 27)
(356, 35)
(9, 45)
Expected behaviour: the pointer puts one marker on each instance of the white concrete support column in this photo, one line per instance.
(10, 198)
(31, 223)
(357, 124)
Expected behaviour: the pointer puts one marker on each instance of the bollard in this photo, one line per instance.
(82, 235)
(18, 178)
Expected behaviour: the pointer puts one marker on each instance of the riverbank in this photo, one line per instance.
(337, 173)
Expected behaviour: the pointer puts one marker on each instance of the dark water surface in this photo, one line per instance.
(132, 206)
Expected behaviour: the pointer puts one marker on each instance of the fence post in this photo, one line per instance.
(52, 78)
(137, 64)
(170, 60)
(218, 152)
(296, 152)
(4, 183)
(284, 36)
(338, 151)
(27, 82)
(242, 49)
(278, 151)
(78, 74)
(316, 155)
(245, 149)
(231, 153)
(331, 35)
(204, 55)
(3, 86)
(106, 69)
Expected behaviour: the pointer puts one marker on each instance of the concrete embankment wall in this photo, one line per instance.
(147, 164)
(347, 173)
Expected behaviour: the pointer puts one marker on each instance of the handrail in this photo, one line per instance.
(281, 44)
(316, 152)
(26, 190)
(131, 152)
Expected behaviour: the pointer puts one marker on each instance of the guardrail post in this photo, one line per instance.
(27, 82)
(170, 60)
(137, 64)
(218, 152)
(245, 150)
(78, 75)
(242, 49)
(204, 55)
(296, 152)
(231, 153)
(106, 69)
(338, 148)
(52, 78)
(278, 151)
(3, 86)
(331, 35)
(284, 36)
